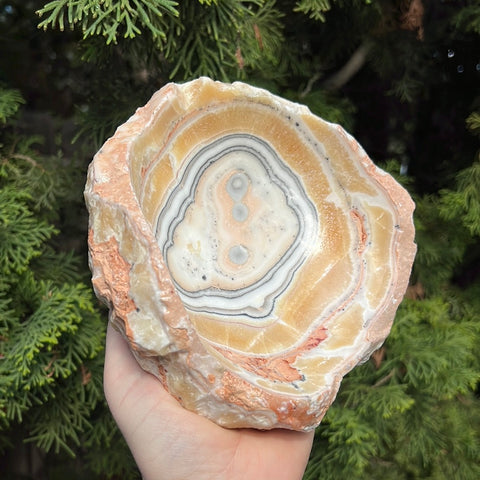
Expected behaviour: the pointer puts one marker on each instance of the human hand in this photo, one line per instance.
(171, 443)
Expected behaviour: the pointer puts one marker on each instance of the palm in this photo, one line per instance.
(169, 442)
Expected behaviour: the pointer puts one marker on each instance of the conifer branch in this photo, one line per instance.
(312, 80)
(349, 69)
(111, 19)
(385, 379)
(315, 9)
(10, 101)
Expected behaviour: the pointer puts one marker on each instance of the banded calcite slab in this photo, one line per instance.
(250, 252)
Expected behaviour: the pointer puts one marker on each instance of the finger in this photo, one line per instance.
(128, 388)
(121, 368)
(117, 353)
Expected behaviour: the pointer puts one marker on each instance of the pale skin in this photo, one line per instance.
(171, 443)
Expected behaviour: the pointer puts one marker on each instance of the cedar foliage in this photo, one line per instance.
(401, 75)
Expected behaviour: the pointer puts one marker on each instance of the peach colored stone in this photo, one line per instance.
(250, 252)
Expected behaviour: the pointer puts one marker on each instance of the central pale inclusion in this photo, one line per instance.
(232, 234)
(236, 229)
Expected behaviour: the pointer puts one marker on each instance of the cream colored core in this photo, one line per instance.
(232, 229)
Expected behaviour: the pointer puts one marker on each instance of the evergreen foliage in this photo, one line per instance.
(399, 415)
(401, 75)
(10, 101)
(51, 331)
(110, 18)
(196, 36)
(316, 9)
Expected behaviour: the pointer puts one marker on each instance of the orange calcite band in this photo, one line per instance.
(250, 252)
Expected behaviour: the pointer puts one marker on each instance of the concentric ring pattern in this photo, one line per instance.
(250, 252)
(235, 228)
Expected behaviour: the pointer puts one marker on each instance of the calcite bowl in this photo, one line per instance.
(250, 252)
